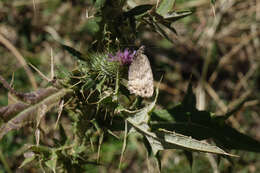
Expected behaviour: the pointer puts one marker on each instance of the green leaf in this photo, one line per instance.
(158, 28)
(168, 25)
(165, 6)
(40, 149)
(202, 129)
(179, 113)
(138, 10)
(52, 162)
(213, 1)
(161, 115)
(27, 160)
(99, 4)
(176, 15)
(200, 117)
(100, 84)
(194, 130)
(189, 101)
(230, 138)
(73, 52)
(162, 139)
(92, 25)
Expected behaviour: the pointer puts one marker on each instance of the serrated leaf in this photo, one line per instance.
(224, 135)
(165, 6)
(162, 139)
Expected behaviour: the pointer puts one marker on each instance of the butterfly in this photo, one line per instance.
(140, 75)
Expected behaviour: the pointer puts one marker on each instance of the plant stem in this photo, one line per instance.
(3, 160)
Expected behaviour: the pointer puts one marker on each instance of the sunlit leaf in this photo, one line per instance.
(162, 139)
(165, 6)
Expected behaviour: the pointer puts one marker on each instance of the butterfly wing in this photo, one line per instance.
(140, 76)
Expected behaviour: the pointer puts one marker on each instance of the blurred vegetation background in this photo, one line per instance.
(218, 44)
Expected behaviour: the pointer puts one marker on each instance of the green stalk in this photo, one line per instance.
(3, 160)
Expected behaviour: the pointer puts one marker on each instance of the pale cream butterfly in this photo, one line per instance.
(140, 75)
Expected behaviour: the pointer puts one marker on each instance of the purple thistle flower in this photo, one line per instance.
(124, 58)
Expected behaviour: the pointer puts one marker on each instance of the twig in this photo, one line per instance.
(220, 104)
(227, 57)
(213, 163)
(40, 73)
(8, 87)
(20, 59)
(166, 88)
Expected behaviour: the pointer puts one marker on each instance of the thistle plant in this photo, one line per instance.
(94, 97)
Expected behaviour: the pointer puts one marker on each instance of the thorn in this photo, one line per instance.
(214, 11)
(52, 65)
(40, 73)
(59, 113)
(34, 6)
(157, 3)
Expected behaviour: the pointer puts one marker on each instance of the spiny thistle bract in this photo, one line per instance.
(97, 79)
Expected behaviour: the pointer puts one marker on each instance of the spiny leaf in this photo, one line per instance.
(224, 135)
(163, 139)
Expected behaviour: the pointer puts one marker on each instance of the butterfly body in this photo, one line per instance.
(140, 76)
